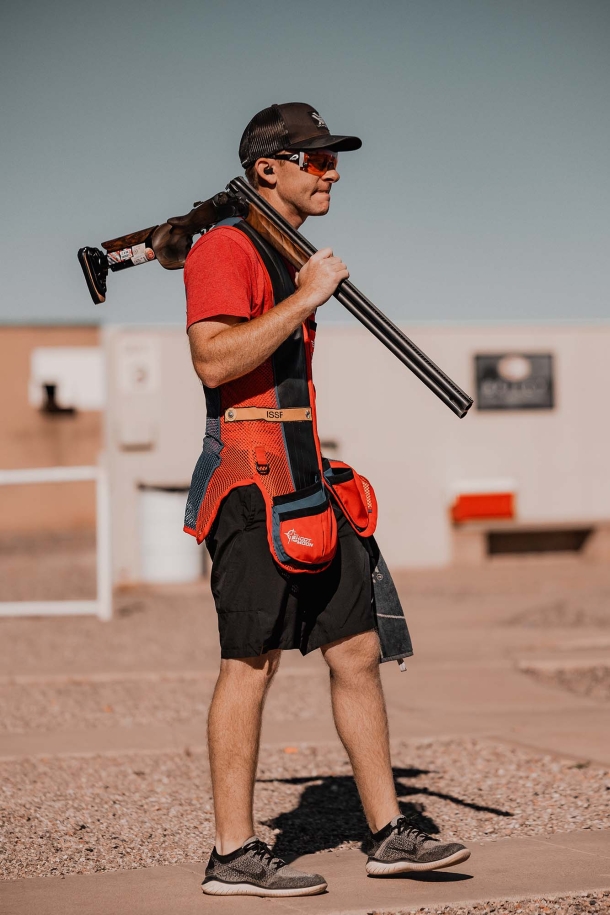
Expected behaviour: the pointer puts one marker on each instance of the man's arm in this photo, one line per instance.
(227, 347)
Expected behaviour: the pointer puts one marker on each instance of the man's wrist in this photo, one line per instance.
(304, 301)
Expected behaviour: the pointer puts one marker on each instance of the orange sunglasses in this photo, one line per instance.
(314, 162)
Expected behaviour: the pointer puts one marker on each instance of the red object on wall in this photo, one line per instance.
(481, 505)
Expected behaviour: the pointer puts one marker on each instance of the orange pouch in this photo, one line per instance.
(304, 528)
(354, 494)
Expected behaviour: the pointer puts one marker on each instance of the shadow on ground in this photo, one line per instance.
(329, 813)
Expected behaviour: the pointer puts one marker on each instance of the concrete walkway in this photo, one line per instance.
(508, 868)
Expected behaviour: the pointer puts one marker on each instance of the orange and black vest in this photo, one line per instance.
(261, 429)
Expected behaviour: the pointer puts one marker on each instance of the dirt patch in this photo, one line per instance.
(59, 566)
(592, 610)
(592, 681)
(161, 628)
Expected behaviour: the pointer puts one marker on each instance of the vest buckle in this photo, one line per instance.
(262, 464)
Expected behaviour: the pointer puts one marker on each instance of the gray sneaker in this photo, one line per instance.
(400, 847)
(253, 870)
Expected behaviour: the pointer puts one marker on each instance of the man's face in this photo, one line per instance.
(301, 193)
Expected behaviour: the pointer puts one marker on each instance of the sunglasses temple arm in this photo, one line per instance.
(295, 247)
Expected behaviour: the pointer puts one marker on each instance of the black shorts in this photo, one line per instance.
(261, 606)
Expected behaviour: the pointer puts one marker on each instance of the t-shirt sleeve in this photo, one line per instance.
(220, 278)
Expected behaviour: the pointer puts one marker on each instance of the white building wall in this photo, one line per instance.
(396, 432)
(154, 427)
(415, 449)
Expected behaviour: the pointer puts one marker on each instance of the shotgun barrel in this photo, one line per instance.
(170, 242)
(362, 308)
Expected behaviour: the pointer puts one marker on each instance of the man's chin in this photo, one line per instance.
(320, 205)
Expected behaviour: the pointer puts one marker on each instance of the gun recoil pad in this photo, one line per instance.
(94, 264)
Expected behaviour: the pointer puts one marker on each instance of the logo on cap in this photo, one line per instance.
(320, 122)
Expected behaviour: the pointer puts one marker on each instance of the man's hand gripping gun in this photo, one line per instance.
(170, 242)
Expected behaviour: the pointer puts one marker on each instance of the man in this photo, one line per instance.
(291, 563)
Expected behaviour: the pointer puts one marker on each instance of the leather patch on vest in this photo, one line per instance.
(271, 415)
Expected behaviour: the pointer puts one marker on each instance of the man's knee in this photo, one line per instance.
(355, 655)
(252, 673)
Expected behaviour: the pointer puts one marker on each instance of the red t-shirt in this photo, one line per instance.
(224, 275)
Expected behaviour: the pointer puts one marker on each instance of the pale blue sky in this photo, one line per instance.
(481, 192)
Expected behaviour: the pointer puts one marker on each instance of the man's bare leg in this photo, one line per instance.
(362, 722)
(234, 726)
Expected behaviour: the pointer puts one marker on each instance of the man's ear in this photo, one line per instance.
(265, 171)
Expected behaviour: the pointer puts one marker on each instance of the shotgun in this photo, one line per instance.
(170, 242)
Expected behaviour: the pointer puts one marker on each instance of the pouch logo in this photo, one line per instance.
(320, 122)
(293, 537)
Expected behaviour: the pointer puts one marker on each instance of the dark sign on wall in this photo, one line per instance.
(514, 381)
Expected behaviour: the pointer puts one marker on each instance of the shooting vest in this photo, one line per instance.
(261, 429)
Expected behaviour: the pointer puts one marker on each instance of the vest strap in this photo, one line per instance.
(271, 415)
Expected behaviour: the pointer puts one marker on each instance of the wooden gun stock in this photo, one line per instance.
(128, 241)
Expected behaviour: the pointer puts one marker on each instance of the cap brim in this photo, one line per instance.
(328, 141)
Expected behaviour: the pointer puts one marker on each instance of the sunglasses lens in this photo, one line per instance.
(318, 163)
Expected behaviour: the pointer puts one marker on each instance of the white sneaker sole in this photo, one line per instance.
(218, 888)
(381, 868)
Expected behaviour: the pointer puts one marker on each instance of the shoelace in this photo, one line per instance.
(403, 827)
(260, 850)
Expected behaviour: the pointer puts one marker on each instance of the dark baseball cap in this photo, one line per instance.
(294, 125)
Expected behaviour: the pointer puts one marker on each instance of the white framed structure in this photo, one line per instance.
(102, 605)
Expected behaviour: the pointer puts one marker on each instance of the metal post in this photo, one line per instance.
(103, 544)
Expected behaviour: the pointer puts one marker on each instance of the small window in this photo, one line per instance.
(554, 541)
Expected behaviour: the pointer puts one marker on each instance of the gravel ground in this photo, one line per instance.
(576, 904)
(47, 707)
(71, 815)
(140, 701)
(591, 680)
